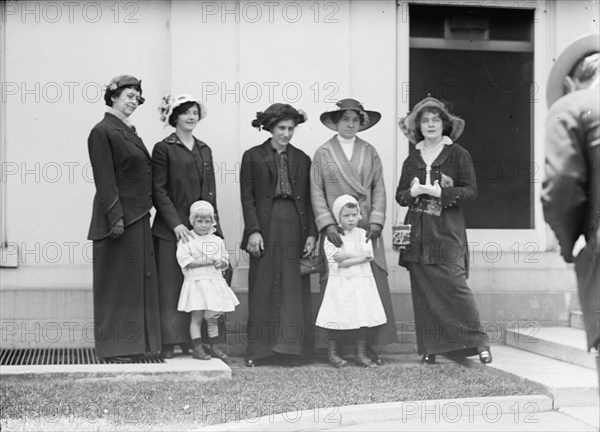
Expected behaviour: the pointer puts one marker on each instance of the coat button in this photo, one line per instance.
(148, 275)
(298, 197)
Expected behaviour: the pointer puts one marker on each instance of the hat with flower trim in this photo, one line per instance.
(368, 118)
(169, 103)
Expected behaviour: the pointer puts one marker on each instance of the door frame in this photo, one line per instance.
(482, 239)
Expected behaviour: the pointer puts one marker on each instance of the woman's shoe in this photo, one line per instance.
(185, 349)
(485, 356)
(334, 357)
(249, 363)
(119, 359)
(428, 359)
(167, 351)
(361, 358)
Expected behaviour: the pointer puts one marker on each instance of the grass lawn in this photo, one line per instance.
(172, 402)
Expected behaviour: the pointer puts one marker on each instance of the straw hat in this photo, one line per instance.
(368, 118)
(566, 61)
(408, 126)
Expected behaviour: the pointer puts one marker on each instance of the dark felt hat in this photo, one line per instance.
(122, 81)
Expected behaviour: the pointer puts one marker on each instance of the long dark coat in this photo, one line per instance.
(446, 316)
(126, 310)
(438, 239)
(279, 298)
(571, 193)
(180, 177)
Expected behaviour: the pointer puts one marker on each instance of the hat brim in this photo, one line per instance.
(408, 124)
(374, 118)
(181, 101)
(565, 62)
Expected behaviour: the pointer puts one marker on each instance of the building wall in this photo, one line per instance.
(240, 58)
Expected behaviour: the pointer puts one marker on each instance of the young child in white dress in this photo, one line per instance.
(351, 300)
(204, 292)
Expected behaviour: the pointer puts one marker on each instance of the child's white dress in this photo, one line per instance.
(351, 298)
(204, 288)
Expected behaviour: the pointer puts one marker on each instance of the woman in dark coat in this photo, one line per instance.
(126, 312)
(436, 179)
(183, 173)
(279, 229)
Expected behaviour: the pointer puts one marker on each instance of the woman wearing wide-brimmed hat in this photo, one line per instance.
(126, 312)
(436, 180)
(279, 228)
(183, 173)
(346, 164)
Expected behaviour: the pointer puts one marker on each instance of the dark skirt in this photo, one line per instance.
(126, 311)
(174, 325)
(446, 317)
(279, 316)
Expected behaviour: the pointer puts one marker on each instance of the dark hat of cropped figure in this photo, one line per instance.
(275, 113)
(408, 124)
(367, 118)
(572, 54)
(120, 82)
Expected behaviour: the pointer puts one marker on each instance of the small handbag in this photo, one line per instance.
(315, 262)
(400, 235)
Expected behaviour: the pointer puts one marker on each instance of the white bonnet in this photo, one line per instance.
(340, 202)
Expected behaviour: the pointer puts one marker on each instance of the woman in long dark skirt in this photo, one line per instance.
(279, 229)
(126, 312)
(183, 173)
(436, 179)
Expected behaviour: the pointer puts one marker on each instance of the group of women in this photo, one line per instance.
(287, 201)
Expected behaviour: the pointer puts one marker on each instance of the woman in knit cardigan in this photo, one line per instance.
(349, 165)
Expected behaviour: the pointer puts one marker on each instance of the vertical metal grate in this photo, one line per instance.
(61, 356)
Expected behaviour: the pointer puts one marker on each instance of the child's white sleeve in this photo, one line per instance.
(330, 251)
(368, 248)
(184, 254)
(223, 254)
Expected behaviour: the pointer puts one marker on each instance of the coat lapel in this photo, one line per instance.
(126, 132)
(269, 158)
(346, 170)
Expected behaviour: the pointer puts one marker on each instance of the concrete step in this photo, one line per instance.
(562, 343)
(196, 370)
(568, 384)
(576, 320)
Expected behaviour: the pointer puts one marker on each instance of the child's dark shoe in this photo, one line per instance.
(199, 353)
(374, 356)
(334, 357)
(361, 358)
(167, 351)
(216, 352)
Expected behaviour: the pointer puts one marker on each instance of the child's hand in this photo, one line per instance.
(221, 265)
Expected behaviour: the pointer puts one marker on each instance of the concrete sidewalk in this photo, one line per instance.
(511, 413)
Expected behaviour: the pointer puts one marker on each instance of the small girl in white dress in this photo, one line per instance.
(204, 292)
(351, 299)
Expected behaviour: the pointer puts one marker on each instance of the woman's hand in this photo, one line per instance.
(374, 232)
(182, 233)
(256, 244)
(309, 246)
(333, 233)
(416, 189)
(117, 229)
